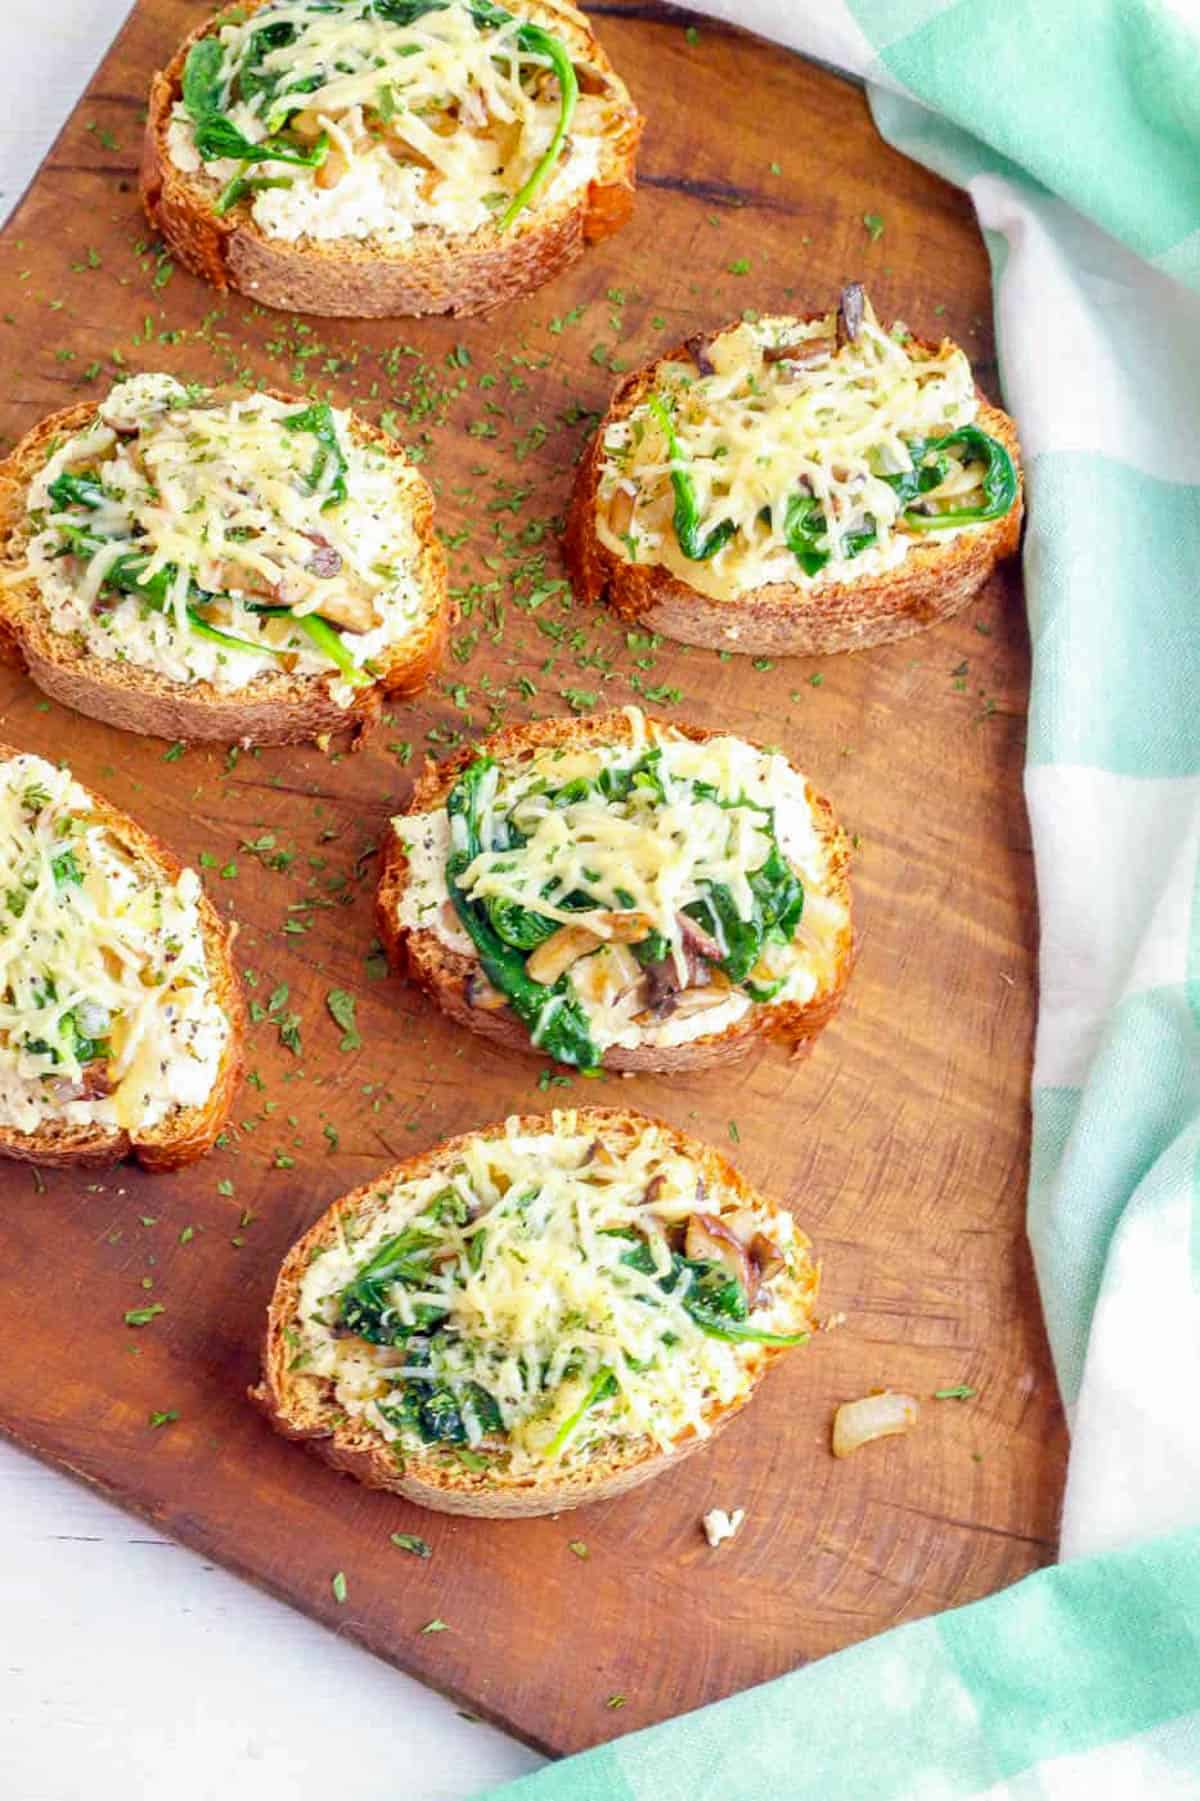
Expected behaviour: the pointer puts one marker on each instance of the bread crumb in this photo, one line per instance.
(719, 1525)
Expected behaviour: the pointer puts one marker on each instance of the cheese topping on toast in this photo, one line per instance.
(387, 117)
(108, 1014)
(790, 451)
(551, 1296)
(213, 538)
(644, 889)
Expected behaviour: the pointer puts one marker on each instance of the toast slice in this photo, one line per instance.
(700, 508)
(134, 662)
(98, 915)
(648, 1332)
(622, 998)
(411, 201)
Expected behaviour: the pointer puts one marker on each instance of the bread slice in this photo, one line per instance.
(434, 272)
(186, 1132)
(785, 618)
(302, 1403)
(449, 975)
(275, 708)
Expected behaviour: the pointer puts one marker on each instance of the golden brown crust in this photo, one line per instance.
(273, 709)
(783, 619)
(303, 1408)
(181, 1137)
(353, 281)
(444, 973)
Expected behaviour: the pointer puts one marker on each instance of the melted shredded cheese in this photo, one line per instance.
(761, 428)
(433, 124)
(644, 856)
(543, 1303)
(221, 492)
(107, 1010)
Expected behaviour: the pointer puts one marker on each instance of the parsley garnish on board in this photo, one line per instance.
(341, 1010)
(141, 1316)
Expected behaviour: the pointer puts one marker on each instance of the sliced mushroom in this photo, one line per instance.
(697, 939)
(664, 981)
(598, 1156)
(333, 169)
(850, 313)
(620, 512)
(697, 348)
(591, 81)
(807, 350)
(766, 1256)
(559, 951)
(96, 1081)
(325, 561)
(234, 578)
(691, 1001)
(481, 994)
(710, 1241)
(306, 125)
(763, 1252)
(653, 1189)
(625, 928)
(349, 607)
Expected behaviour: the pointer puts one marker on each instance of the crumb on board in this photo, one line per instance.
(719, 1525)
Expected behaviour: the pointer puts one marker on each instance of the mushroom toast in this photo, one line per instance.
(796, 486)
(375, 157)
(121, 1020)
(226, 564)
(620, 891)
(542, 1313)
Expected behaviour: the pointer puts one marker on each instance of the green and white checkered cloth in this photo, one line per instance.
(1075, 126)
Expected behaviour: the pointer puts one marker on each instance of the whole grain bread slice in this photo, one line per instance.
(304, 1407)
(187, 1133)
(446, 974)
(359, 279)
(275, 708)
(934, 581)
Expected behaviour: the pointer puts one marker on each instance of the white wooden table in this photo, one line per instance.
(127, 1665)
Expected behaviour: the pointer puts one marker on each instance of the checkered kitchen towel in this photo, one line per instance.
(1075, 125)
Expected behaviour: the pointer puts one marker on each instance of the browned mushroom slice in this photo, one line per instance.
(233, 577)
(333, 169)
(620, 512)
(709, 1241)
(697, 348)
(325, 561)
(95, 1081)
(625, 928)
(557, 953)
(598, 1156)
(805, 350)
(697, 939)
(850, 313)
(766, 1256)
(481, 994)
(690, 1001)
(349, 607)
(591, 81)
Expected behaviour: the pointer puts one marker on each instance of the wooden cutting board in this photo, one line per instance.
(901, 1144)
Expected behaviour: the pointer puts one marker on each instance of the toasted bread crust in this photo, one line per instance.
(300, 1409)
(274, 708)
(444, 973)
(350, 280)
(782, 618)
(190, 1133)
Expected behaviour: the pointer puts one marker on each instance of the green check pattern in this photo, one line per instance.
(1075, 126)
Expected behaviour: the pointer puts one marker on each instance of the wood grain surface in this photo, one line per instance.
(901, 1143)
